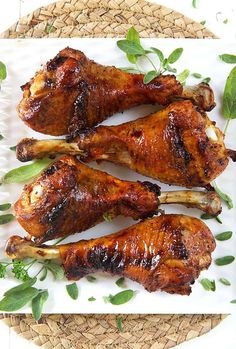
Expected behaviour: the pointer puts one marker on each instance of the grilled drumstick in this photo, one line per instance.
(178, 145)
(72, 92)
(165, 253)
(70, 197)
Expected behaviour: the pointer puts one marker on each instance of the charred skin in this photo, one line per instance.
(165, 253)
(72, 92)
(70, 197)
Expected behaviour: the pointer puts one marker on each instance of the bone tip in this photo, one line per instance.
(214, 207)
(23, 149)
(13, 246)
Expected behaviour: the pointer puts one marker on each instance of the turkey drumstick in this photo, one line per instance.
(72, 92)
(177, 145)
(165, 253)
(70, 197)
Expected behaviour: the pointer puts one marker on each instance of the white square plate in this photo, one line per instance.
(23, 58)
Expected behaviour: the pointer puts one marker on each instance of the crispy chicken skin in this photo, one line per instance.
(72, 92)
(70, 197)
(165, 253)
(177, 145)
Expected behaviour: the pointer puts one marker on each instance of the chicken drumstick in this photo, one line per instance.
(165, 253)
(72, 92)
(178, 145)
(70, 197)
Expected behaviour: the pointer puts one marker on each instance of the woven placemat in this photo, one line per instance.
(108, 18)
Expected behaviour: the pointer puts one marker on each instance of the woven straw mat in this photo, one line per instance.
(108, 18)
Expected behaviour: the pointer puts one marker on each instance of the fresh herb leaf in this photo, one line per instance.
(6, 218)
(170, 69)
(121, 282)
(15, 301)
(107, 217)
(3, 71)
(50, 29)
(44, 275)
(233, 301)
(38, 303)
(229, 98)
(194, 3)
(1, 137)
(91, 299)
(72, 290)
(224, 260)
(203, 22)
(24, 173)
(225, 282)
(182, 77)
(223, 196)
(19, 270)
(227, 58)
(91, 278)
(133, 36)
(175, 55)
(208, 216)
(226, 235)
(149, 76)
(13, 148)
(121, 297)
(3, 270)
(130, 47)
(208, 285)
(158, 53)
(119, 323)
(225, 21)
(206, 80)
(197, 75)
(5, 207)
(21, 287)
(56, 270)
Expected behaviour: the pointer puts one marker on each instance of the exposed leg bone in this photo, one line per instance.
(206, 201)
(201, 94)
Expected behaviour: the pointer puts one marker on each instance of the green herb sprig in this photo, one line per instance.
(134, 51)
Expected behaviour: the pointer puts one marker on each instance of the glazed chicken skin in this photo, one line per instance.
(165, 253)
(177, 145)
(69, 197)
(72, 93)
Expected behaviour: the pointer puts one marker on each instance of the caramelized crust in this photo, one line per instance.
(164, 253)
(70, 197)
(73, 92)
